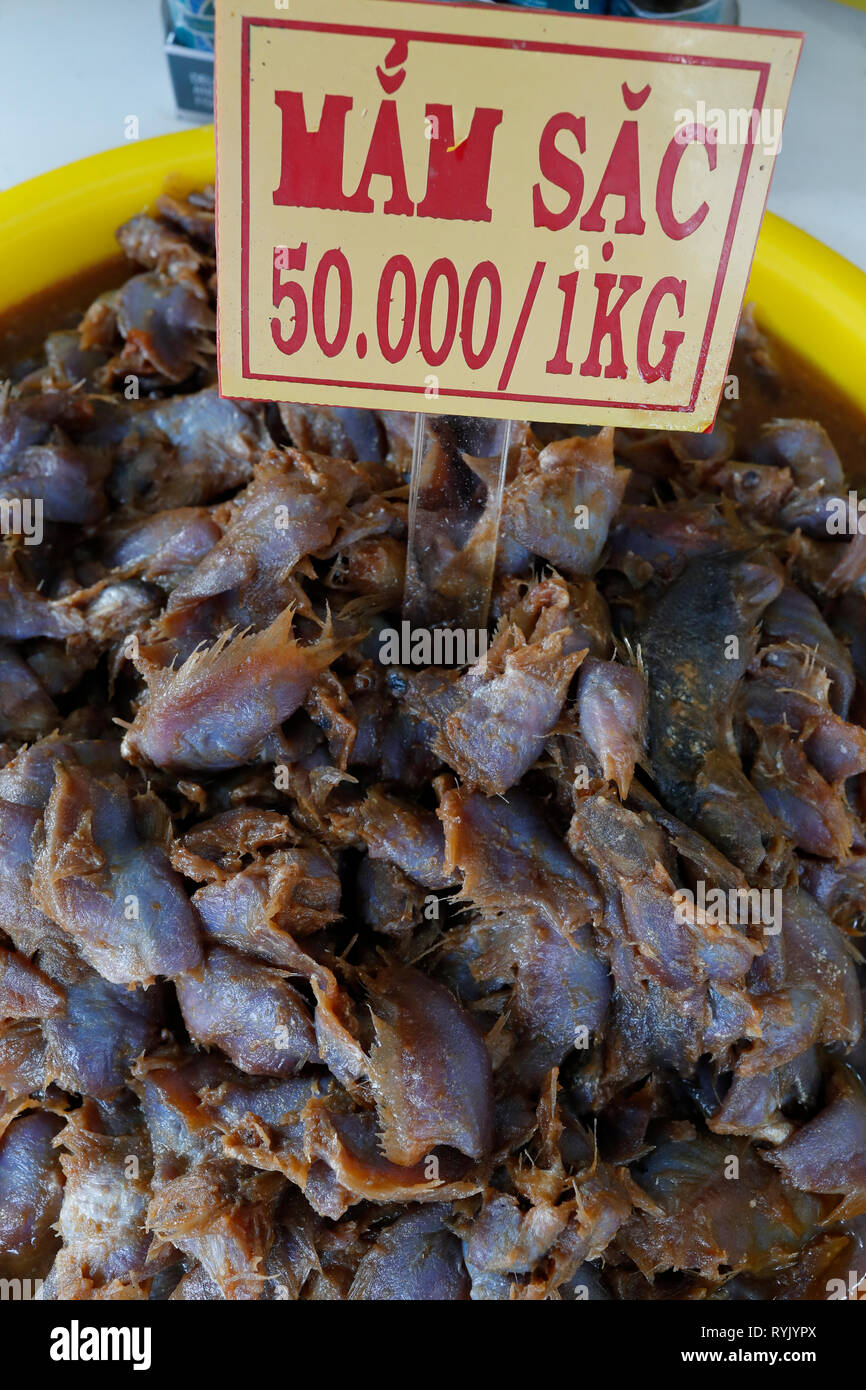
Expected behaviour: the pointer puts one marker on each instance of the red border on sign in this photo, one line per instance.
(482, 41)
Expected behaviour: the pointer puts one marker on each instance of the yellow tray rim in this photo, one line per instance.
(62, 223)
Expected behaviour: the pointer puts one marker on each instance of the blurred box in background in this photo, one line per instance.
(189, 37)
(578, 6)
(685, 11)
(189, 26)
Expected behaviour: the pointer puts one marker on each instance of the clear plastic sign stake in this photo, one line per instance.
(459, 467)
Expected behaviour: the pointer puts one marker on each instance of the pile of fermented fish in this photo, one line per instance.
(324, 978)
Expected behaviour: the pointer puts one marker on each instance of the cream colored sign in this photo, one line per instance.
(488, 211)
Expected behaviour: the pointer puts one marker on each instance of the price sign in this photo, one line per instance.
(489, 211)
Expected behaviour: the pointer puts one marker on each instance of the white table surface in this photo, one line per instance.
(71, 71)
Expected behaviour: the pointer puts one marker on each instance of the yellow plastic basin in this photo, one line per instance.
(62, 223)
